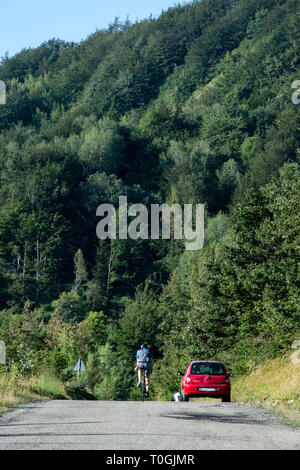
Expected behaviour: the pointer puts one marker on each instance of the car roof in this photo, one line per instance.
(207, 362)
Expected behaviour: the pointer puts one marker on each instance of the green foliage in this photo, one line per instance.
(113, 382)
(81, 275)
(238, 303)
(92, 332)
(140, 318)
(78, 388)
(102, 148)
(70, 306)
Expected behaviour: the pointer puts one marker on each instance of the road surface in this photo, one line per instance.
(112, 425)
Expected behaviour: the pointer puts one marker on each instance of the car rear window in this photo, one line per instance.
(200, 368)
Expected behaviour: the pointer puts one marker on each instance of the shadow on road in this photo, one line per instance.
(241, 418)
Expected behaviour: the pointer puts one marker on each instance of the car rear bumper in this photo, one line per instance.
(194, 390)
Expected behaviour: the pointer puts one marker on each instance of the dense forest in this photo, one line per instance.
(192, 107)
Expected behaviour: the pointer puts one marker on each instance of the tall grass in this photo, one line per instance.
(274, 385)
(16, 389)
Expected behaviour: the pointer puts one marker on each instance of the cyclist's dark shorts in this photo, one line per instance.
(146, 366)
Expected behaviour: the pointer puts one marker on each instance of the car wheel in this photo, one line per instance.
(226, 398)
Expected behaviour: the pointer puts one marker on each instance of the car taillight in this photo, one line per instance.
(188, 379)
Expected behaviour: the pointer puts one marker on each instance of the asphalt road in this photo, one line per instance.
(107, 425)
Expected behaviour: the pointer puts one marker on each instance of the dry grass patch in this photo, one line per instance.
(274, 385)
(17, 390)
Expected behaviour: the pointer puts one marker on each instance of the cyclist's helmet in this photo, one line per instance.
(143, 346)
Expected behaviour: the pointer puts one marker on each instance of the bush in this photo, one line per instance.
(78, 388)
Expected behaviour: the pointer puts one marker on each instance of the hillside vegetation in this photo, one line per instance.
(192, 107)
(273, 385)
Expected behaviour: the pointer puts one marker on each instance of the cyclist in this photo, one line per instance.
(144, 361)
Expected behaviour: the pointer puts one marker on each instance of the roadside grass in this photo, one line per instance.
(15, 390)
(273, 385)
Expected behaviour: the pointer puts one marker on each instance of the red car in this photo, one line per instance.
(205, 379)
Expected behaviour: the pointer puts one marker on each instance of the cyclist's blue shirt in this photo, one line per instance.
(142, 354)
(144, 360)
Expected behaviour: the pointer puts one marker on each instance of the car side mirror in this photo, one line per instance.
(181, 374)
(230, 374)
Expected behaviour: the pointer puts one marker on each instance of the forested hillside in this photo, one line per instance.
(193, 107)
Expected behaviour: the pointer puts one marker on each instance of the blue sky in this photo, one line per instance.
(28, 23)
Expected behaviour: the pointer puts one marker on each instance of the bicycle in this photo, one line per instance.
(143, 385)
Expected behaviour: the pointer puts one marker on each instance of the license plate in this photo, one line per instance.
(207, 389)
